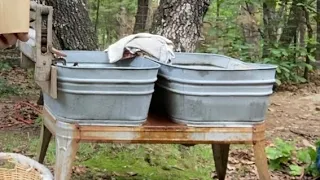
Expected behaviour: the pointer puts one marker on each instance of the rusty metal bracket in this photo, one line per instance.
(39, 49)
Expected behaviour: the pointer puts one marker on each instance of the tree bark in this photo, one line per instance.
(272, 19)
(309, 45)
(151, 9)
(122, 22)
(218, 9)
(302, 31)
(269, 21)
(141, 16)
(318, 31)
(72, 25)
(290, 30)
(181, 22)
(97, 17)
(251, 32)
(270, 26)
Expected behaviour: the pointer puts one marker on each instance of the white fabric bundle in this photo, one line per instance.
(157, 46)
(32, 37)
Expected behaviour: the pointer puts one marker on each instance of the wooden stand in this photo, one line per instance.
(155, 130)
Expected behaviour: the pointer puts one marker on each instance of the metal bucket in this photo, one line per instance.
(208, 89)
(97, 92)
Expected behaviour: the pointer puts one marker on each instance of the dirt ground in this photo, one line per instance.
(293, 114)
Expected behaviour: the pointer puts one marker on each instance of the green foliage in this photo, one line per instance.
(108, 25)
(225, 35)
(39, 120)
(290, 63)
(5, 66)
(285, 156)
(280, 154)
(7, 89)
(295, 170)
(306, 155)
(225, 32)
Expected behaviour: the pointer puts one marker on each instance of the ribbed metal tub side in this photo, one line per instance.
(213, 96)
(95, 92)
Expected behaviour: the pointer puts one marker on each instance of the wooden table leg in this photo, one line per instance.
(261, 160)
(220, 155)
(44, 143)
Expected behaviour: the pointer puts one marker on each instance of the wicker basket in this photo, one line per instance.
(23, 168)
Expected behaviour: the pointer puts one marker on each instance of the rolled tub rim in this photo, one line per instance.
(154, 65)
(261, 66)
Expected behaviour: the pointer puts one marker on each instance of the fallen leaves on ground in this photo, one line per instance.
(17, 115)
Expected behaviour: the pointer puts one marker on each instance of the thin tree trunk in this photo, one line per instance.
(302, 32)
(104, 37)
(269, 20)
(122, 22)
(218, 22)
(218, 9)
(181, 22)
(150, 15)
(97, 17)
(141, 16)
(270, 26)
(302, 27)
(109, 40)
(318, 31)
(295, 42)
(290, 29)
(247, 20)
(309, 45)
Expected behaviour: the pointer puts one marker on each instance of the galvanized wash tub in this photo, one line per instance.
(208, 89)
(97, 92)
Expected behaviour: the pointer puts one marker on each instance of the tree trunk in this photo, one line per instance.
(269, 21)
(122, 22)
(247, 20)
(270, 26)
(218, 9)
(302, 31)
(152, 7)
(181, 22)
(290, 30)
(309, 45)
(318, 31)
(141, 16)
(72, 25)
(97, 17)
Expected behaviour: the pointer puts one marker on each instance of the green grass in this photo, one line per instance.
(155, 161)
(150, 162)
(7, 90)
(4, 66)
